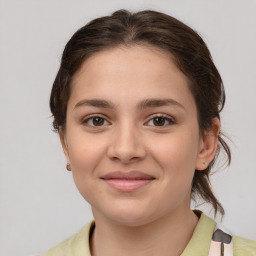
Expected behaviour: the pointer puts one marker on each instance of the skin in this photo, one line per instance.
(127, 138)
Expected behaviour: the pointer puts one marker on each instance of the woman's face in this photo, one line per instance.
(132, 135)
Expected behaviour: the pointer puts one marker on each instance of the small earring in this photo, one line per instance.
(68, 167)
(205, 163)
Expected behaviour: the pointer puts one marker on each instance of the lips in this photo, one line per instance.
(127, 181)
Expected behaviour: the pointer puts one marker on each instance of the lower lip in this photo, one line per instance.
(127, 185)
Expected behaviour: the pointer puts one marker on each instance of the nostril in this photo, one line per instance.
(126, 146)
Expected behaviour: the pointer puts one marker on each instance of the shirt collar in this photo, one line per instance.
(198, 245)
(200, 241)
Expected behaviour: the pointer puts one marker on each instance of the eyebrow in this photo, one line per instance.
(147, 103)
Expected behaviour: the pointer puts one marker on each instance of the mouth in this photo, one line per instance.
(127, 181)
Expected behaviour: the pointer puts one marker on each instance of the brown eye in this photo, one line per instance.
(161, 121)
(94, 121)
(97, 121)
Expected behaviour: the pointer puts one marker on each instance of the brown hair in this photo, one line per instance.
(190, 54)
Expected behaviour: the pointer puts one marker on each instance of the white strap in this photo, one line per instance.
(215, 249)
(222, 246)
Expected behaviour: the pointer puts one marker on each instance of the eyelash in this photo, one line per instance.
(166, 118)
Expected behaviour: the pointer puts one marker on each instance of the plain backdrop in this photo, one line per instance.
(40, 205)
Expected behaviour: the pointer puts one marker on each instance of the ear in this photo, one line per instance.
(64, 144)
(208, 146)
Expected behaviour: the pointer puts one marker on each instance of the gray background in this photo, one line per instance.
(40, 205)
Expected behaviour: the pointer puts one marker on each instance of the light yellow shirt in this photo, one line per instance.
(199, 244)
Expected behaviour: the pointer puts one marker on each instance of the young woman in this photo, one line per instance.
(136, 102)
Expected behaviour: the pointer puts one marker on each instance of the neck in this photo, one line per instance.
(168, 236)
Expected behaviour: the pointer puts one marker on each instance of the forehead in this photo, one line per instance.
(138, 59)
(131, 72)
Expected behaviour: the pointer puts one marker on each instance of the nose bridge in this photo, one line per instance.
(127, 143)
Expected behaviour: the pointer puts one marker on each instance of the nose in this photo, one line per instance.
(126, 144)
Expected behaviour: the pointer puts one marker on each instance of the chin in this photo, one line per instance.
(130, 221)
(132, 216)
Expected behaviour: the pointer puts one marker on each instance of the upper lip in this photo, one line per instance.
(128, 175)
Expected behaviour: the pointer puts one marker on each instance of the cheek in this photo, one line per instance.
(178, 161)
(177, 150)
(84, 149)
(85, 153)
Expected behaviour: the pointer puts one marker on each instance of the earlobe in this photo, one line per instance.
(208, 146)
(64, 144)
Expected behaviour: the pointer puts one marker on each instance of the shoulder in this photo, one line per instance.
(233, 245)
(243, 246)
(77, 244)
(60, 249)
